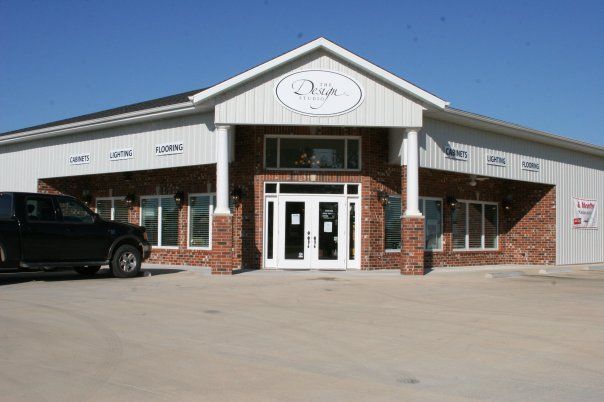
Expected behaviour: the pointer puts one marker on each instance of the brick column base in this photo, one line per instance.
(222, 260)
(413, 245)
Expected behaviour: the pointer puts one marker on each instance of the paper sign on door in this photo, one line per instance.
(327, 227)
(295, 219)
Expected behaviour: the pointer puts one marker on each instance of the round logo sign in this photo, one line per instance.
(319, 93)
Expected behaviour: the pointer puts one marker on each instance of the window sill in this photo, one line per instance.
(199, 248)
(482, 250)
(392, 250)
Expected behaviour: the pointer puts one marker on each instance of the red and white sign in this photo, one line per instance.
(585, 214)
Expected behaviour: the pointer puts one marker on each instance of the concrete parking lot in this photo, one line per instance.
(302, 336)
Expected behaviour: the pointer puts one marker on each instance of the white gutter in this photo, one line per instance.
(103, 122)
(516, 130)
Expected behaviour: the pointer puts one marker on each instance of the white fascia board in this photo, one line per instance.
(336, 50)
(104, 122)
(514, 130)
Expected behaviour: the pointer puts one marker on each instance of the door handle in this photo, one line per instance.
(315, 239)
(308, 239)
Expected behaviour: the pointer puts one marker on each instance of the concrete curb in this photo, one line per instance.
(546, 271)
(190, 268)
(504, 274)
(594, 268)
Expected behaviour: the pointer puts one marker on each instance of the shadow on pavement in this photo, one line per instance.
(16, 277)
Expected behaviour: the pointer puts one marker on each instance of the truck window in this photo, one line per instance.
(6, 206)
(74, 212)
(40, 209)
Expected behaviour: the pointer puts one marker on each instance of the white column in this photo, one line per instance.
(412, 173)
(222, 170)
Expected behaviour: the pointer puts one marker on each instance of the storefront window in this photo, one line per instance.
(392, 221)
(312, 153)
(432, 211)
(159, 215)
(112, 208)
(200, 220)
(475, 226)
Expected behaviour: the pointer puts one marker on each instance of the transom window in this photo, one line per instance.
(112, 208)
(312, 153)
(475, 226)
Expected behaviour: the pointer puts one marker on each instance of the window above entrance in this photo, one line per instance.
(312, 153)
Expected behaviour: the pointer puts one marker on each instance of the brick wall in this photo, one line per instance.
(527, 231)
(375, 175)
(193, 179)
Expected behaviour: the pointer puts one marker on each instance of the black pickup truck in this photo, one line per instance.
(49, 232)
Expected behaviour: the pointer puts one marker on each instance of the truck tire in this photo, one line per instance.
(87, 271)
(126, 262)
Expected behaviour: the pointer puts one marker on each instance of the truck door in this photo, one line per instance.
(85, 238)
(41, 232)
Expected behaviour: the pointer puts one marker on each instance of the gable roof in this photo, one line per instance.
(322, 43)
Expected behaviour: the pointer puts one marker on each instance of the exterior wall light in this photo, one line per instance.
(179, 198)
(130, 198)
(237, 195)
(507, 203)
(451, 201)
(383, 198)
(86, 197)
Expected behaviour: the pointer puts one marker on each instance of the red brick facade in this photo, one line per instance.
(527, 231)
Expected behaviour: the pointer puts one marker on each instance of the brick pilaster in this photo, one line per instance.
(412, 245)
(222, 245)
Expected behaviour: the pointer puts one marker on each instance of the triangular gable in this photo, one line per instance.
(322, 43)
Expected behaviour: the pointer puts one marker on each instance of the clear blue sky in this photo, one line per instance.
(535, 63)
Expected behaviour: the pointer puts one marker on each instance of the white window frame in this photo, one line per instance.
(467, 234)
(308, 137)
(442, 218)
(113, 200)
(159, 220)
(212, 201)
(394, 250)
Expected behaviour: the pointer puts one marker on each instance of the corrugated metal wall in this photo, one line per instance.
(255, 103)
(21, 164)
(575, 174)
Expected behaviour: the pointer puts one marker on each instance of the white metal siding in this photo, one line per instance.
(22, 164)
(255, 103)
(574, 174)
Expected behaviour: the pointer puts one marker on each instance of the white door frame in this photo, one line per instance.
(349, 250)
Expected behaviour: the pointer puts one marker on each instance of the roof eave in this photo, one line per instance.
(515, 130)
(95, 124)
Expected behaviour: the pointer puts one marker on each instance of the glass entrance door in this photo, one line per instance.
(329, 228)
(312, 232)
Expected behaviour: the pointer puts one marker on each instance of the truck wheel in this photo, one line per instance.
(126, 262)
(87, 271)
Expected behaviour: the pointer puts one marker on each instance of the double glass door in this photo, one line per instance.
(312, 232)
